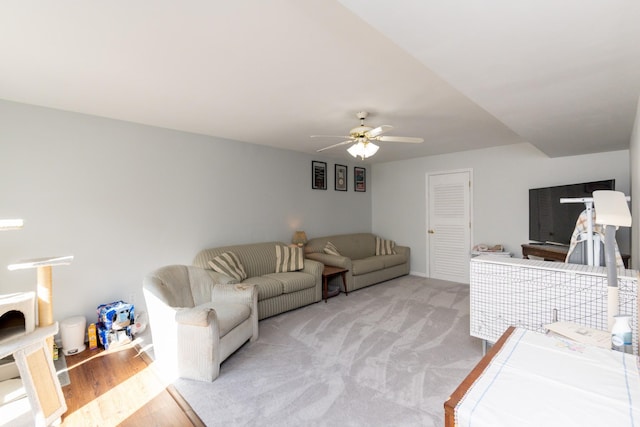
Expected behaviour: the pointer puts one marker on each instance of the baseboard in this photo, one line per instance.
(418, 273)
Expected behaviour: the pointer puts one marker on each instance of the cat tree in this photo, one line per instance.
(31, 346)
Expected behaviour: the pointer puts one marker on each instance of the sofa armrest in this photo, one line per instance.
(202, 315)
(221, 278)
(191, 348)
(313, 267)
(403, 250)
(333, 260)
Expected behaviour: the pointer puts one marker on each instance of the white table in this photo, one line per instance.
(533, 379)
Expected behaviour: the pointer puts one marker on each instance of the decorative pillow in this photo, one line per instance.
(289, 258)
(228, 264)
(331, 249)
(385, 247)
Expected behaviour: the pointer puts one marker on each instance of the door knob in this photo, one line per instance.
(431, 231)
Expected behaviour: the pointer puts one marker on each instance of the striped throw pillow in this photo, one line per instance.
(385, 247)
(289, 258)
(228, 264)
(331, 249)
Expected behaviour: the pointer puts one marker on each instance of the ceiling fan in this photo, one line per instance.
(362, 136)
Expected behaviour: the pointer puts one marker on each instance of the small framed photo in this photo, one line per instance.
(318, 175)
(359, 179)
(341, 178)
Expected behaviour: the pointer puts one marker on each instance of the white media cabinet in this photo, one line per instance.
(530, 294)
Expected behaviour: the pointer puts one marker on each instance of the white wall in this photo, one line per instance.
(125, 199)
(635, 189)
(502, 177)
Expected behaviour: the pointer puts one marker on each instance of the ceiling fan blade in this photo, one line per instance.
(336, 145)
(400, 139)
(378, 131)
(329, 136)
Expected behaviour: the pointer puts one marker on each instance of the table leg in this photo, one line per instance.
(344, 283)
(325, 288)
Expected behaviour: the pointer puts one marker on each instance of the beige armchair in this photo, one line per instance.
(195, 323)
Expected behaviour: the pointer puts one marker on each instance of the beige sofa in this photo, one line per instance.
(277, 292)
(358, 255)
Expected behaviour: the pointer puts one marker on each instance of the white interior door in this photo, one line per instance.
(449, 225)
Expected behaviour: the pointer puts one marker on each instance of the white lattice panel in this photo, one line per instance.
(529, 294)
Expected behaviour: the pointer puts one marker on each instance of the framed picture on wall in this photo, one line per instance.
(341, 178)
(359, 179)
(318, 175)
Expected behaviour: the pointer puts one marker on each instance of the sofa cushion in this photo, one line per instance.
(230, 315)
(367, 265)
(228, 263)
(393, 260)
(268, 287)
(331, 249)
(294, 281)
(289, 259)
(384, 246)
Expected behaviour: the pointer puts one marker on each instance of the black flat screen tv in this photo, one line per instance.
(553, 222)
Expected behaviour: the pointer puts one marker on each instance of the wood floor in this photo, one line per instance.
(118, 387)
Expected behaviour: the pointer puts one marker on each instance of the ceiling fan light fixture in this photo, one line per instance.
(363, 150)
(370, 149)
(362, 136)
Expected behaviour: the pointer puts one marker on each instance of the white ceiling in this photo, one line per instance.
(564, 76)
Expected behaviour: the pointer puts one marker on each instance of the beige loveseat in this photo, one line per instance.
(277, 292)
(358, 255)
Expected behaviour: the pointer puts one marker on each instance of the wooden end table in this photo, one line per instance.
(555, 253)
(329, 272)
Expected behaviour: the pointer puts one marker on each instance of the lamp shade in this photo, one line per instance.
(363, 149)
(611, 208)
(299, 238)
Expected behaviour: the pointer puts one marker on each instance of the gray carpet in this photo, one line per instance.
(386, 355)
